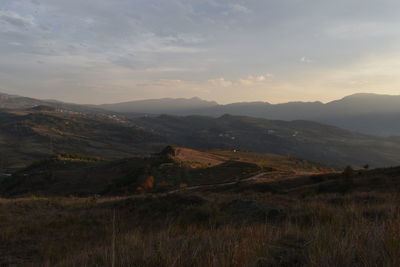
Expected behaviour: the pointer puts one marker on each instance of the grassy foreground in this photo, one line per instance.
(207, 229)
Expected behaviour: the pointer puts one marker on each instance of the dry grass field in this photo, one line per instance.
(293, 213)
(206, 229)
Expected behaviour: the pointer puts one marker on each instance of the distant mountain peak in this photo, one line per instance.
(163, 105)
(367, 96)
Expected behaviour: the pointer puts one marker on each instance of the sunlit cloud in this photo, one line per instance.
(220, 82)
(254, 80)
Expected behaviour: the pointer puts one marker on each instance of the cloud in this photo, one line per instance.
(237, 8)
(306, 60)
(112, 46)
(151, 43)
(170, 83)
(254, 80)
(11, 21)
(250, 80)
(220, 82)
(356, 29)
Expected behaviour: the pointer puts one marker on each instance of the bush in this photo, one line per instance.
(348, 174)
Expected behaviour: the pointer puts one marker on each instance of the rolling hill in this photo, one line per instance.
(174, 167)
(34, 134)
(304, 139)
(19, 102)
(37, 133)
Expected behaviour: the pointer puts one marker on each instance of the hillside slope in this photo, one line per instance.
(304, 139)
(67, 174)
(30, 135)
(19, 102)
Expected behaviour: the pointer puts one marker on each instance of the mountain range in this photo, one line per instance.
(371, 114)
(366, 113)
(32, 129)
(173, 106)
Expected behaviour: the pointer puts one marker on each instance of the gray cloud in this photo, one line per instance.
(114, 46)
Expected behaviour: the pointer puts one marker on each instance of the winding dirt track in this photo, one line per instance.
(263, 177)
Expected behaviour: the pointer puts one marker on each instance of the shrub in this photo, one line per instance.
(149, 182)
(348, 174)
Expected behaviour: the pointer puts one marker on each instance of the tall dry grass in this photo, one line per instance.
(361, 243)
(326, 230)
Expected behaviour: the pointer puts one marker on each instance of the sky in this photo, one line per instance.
(102, 51)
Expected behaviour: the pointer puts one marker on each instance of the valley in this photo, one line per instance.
(36, 133)
(186, 133)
